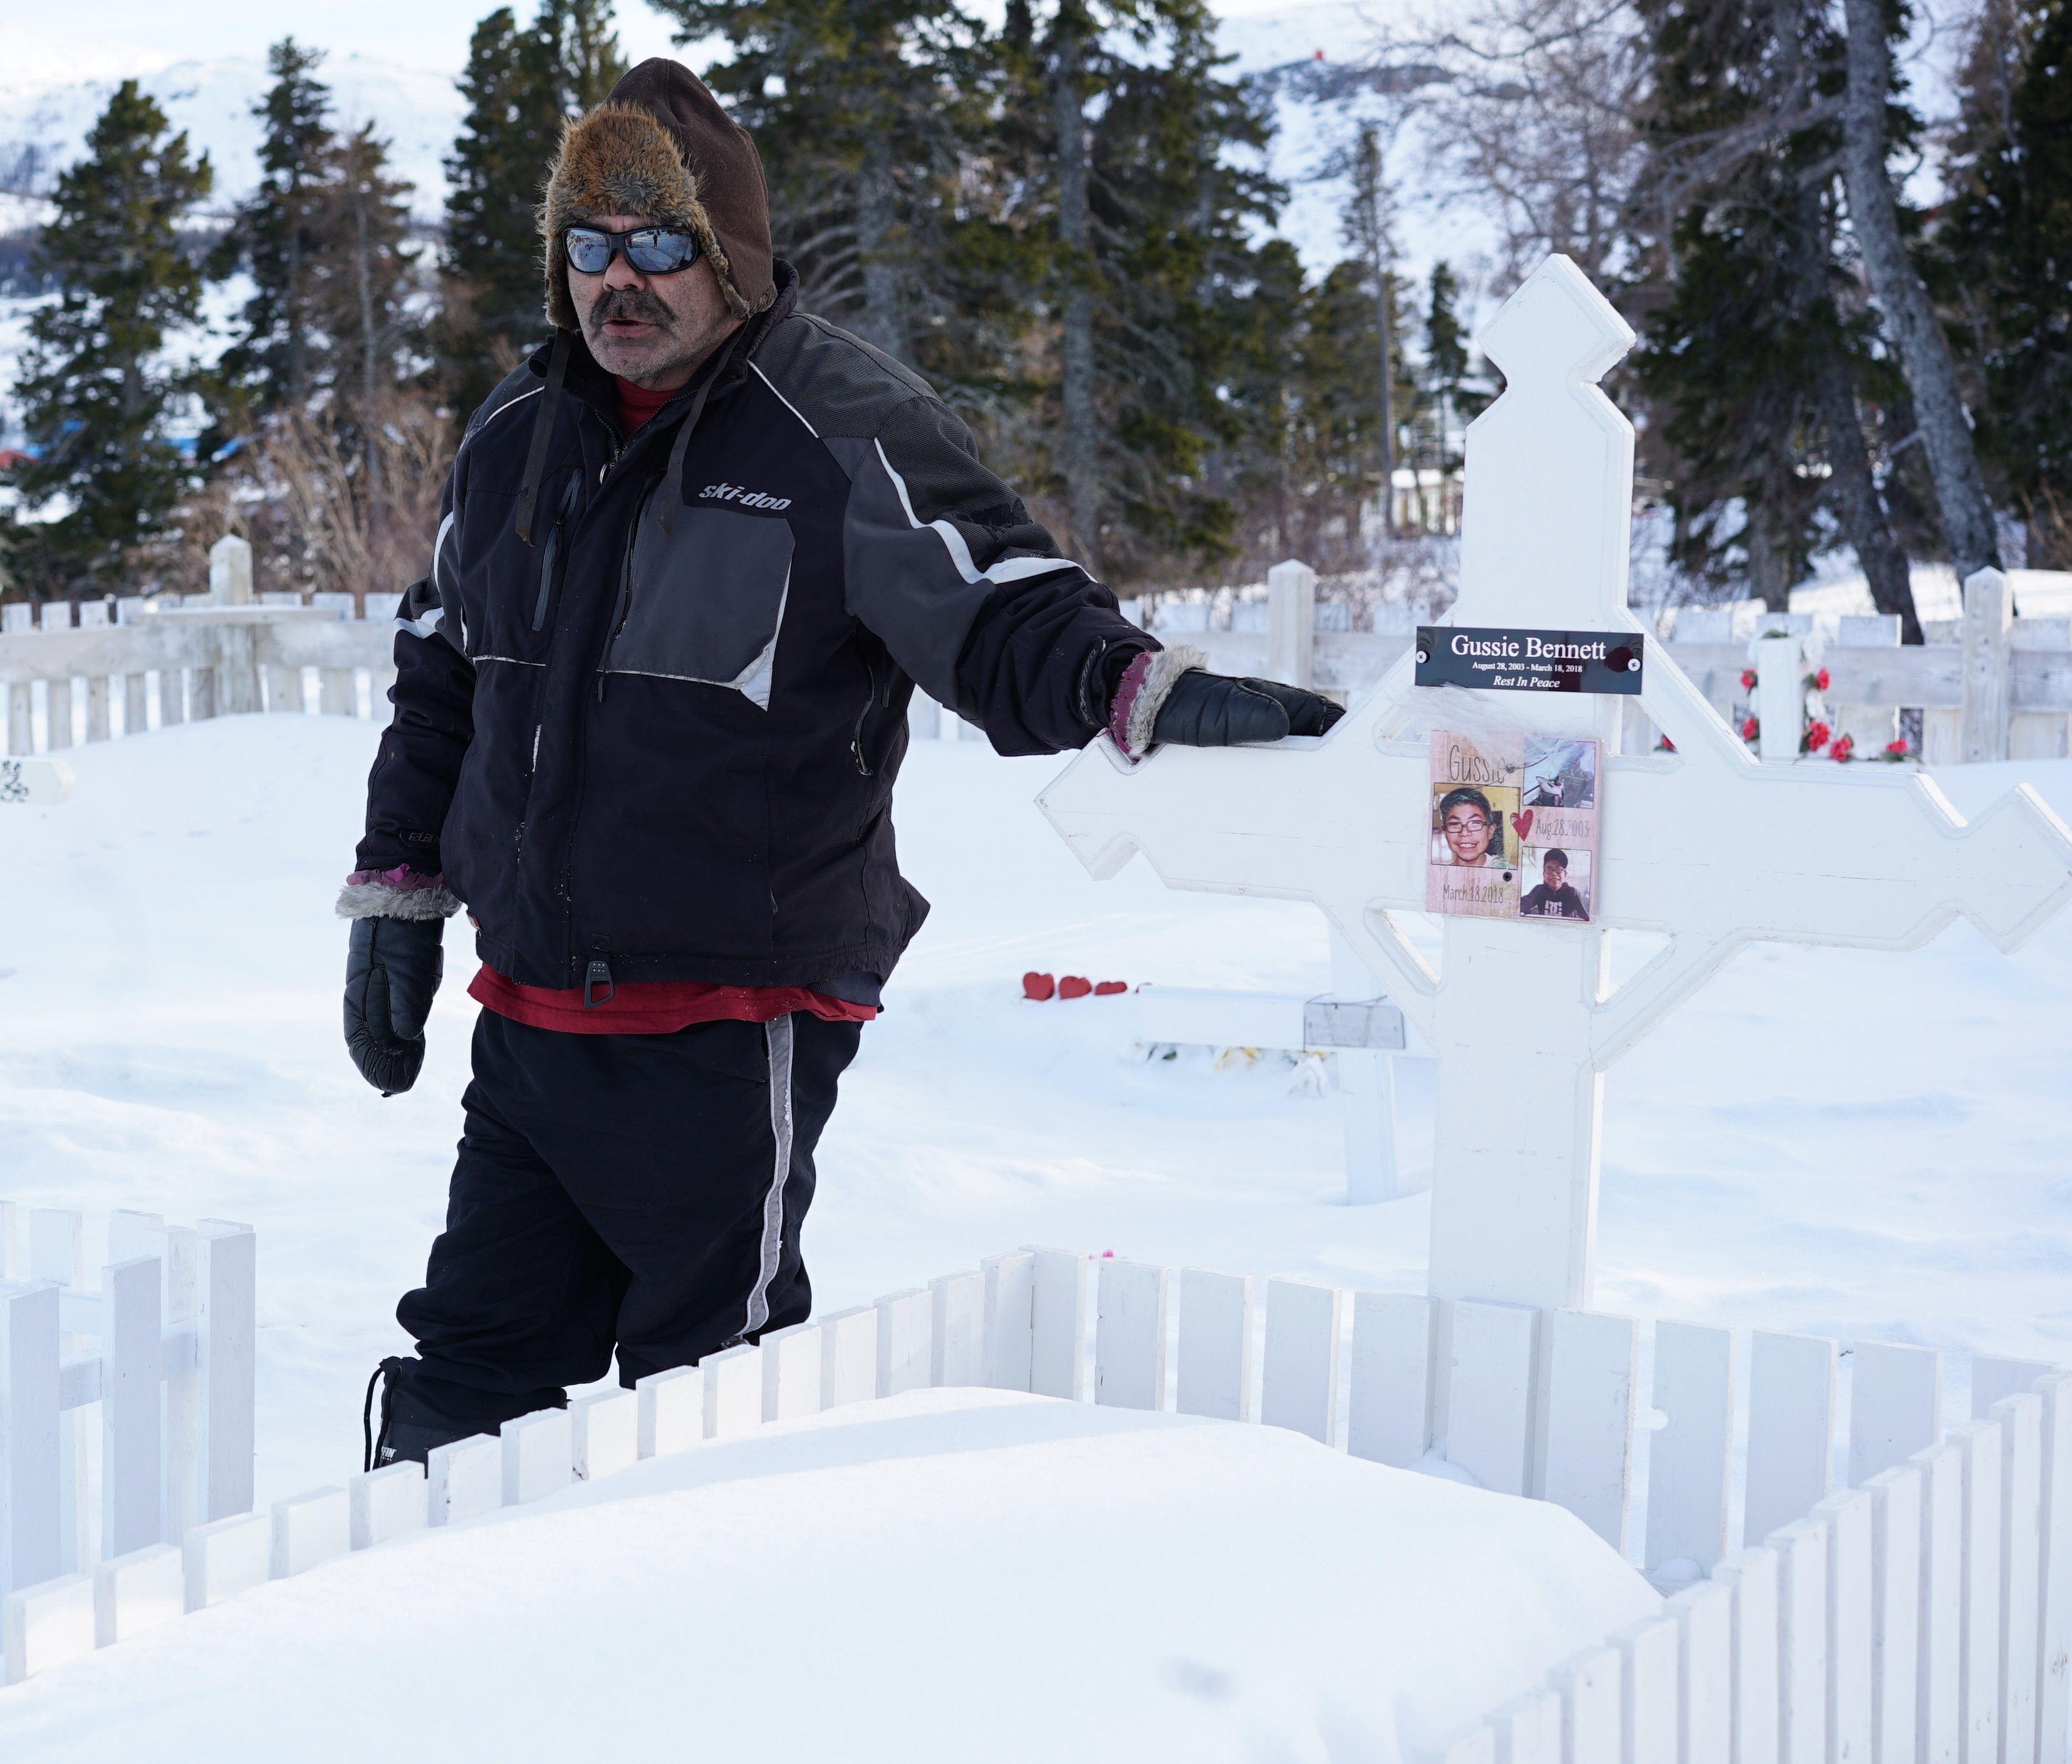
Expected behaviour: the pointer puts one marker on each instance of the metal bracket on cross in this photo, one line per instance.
(35, 783)
(1704, 844)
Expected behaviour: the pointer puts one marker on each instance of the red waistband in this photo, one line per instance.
(654, 1007)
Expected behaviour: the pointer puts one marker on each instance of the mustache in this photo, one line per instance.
(636, 304)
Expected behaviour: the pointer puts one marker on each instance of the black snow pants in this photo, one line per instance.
(641, 1191)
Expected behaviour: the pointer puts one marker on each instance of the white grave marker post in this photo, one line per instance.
(1705, 844)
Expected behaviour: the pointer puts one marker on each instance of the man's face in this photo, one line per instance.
(1554, 875)
(1467, 831)
(652, 329)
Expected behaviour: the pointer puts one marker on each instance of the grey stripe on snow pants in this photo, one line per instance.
(644, 1192)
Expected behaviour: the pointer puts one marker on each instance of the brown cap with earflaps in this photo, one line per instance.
(660, 146)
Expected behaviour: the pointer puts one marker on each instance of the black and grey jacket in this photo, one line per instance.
(662, 735)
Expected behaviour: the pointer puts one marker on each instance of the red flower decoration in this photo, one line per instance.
(1749, 727)
(1897, 749)
(1817, 737)
(1845, 749)
(1748, 680)
(1820, 681)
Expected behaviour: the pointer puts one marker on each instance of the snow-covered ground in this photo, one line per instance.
(1863, 1143)
(943, 1576)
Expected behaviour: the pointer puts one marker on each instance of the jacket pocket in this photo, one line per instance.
(705, 603)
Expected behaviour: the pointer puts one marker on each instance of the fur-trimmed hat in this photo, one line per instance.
(660, 146)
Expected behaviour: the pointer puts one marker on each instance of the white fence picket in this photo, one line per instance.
(1896, 1562)
(1592, 1713)
(1489, 1401)
(1993, 1379)
(673, 1411)
(792, 1372)
(1895, 1405)
(849, 1357)
(733, 1391)
(1704, 1616)
(1058, 1325)
(45, 1625)
(956, 1353)
(1589, 1419)
(1129, 1335)
(1689, 1458)
(29, 1502)
(1215, 1345)
(179, 1248)
(132, 1476)
(906, 1341)
(138, 1592)
(604, 1433)
(1802, 1608)
(2054, 1695)
(308, 1529)
(538, 1454)
(385, 1502)
(1939, 1705)
(1388, 1407)
(1650, 1693)
(226, 1557)
(463, 1480)
(1753, 1576)
(1792, 1428)
(2021, 1419)
(227, 1327)
(1299, 1374)
(1979, 1678)
(1850, 1518)
(1010, 1296)
(1528, 1728)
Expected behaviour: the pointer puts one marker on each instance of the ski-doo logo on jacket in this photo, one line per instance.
(748, 498)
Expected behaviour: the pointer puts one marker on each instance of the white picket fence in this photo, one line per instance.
(1989, 686)
(1921, 1610)
(164, 1350)
(140, 664)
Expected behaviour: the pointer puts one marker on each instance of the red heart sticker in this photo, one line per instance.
(1523, 822)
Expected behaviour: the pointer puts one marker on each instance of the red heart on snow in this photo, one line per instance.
(1523, 821)
(1074, 986)
(1108, 989)
(1038, 987)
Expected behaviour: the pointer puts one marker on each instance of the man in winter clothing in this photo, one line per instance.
(651, 699)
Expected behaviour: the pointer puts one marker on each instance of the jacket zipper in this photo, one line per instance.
(869, 704)
(624, 608)
(550, 554)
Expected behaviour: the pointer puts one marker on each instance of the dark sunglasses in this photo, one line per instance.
(653, 251)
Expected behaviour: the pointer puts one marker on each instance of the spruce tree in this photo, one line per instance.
(2007, 243)
(1759, 358)
(94, 390)
(862, 111)
(271, 238)
(520, 83)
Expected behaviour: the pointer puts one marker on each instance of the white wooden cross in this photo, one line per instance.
(1705, 844)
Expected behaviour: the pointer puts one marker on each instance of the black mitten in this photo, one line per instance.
(1215, 710)
(392, 969)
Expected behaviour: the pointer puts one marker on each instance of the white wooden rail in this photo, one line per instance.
(153, 664)
(89, 1519)
(1990, 686)
(1886, 1593)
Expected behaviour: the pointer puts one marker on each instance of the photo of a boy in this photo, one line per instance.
(1555, 897)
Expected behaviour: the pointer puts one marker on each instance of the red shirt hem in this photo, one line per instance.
(654, 1007)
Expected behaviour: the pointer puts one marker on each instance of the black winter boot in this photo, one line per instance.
(420, 1413)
